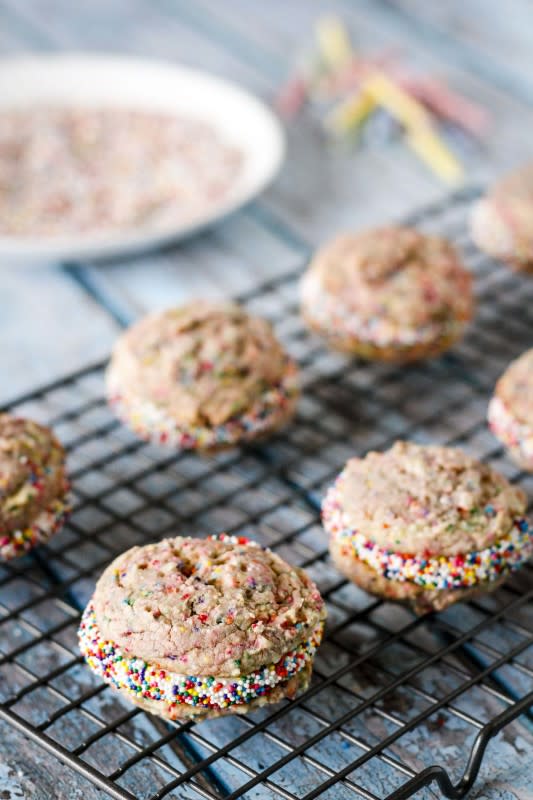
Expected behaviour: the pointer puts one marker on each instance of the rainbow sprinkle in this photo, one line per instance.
(148, 681)
(48, 521)
(333, 317)
(152, 423)
(432, 572)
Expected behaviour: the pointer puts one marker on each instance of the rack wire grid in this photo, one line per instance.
(396, 702)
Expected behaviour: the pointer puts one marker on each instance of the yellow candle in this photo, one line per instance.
(421, 134)
(333, 42)
(351, 113)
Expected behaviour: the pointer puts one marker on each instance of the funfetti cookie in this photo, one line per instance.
(201, 628)
(425, 524)
(510, 412)
(502, 222)
(33, 485)
(205, 376)
(392, 294)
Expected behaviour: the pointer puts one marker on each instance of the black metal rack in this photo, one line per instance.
(396, 702)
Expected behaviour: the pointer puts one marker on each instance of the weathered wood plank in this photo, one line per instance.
(26, 770)
(48, 326)
(129, 28)
(492, 40)
(230, 259)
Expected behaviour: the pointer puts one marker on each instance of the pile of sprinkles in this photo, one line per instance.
(509, 430)
(432, 572)
(96, 171)
(209, 692)
(49, 521)
(339, 319)
(153, 423)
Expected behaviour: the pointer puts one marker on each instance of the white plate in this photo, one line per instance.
(103, 81)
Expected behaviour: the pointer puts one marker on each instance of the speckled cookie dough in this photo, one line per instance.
(510, 412)
(392, 294)
(502, 222)
(203, 627)
(204, 376)
(425, 524)
(33, 486)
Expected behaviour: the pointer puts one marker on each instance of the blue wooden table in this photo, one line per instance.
(55, 318)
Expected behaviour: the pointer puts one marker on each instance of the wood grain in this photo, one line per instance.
(492, 40)
(48, 325)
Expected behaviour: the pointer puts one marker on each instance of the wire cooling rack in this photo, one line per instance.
(395, 702)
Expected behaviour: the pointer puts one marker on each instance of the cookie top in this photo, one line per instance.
(515, 388)
(32, 471)
(220, 606)
(203, 363)
(396, 273)
(508, 207)
(427, 499)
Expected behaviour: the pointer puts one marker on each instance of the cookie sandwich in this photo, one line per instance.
(391, 294)
(205, 376)
(193, 627)
(427, 525)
